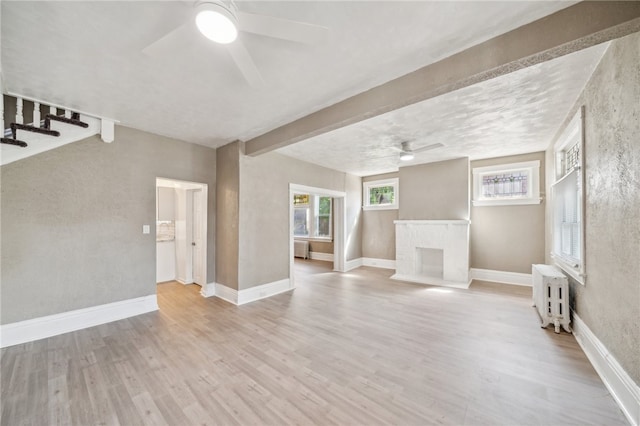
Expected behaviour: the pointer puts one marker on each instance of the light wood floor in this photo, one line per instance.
(348, 349)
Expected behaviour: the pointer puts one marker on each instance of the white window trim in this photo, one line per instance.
(366, 186)
(534, 184)
(311, 220)
(573, 131)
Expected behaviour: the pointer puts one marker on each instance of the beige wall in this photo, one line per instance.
(378, 229)
(379, 234)
(264, 213)
(609, 303)
(435, 191)
(508, 238)
(321, 246)
(72, 221)
(227, 214)
(353, 188)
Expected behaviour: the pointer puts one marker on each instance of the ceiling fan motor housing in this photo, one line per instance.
(217, 20)
(229, 6)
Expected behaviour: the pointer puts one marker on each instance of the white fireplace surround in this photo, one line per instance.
(415, 239)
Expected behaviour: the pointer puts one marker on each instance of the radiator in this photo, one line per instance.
(551, 296)
(301, 249)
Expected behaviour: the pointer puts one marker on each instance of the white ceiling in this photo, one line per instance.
(87, 55)
(512, 114)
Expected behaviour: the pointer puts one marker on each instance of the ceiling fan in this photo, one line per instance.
(407, 153)
(221, 20)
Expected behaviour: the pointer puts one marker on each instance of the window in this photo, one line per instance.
(507, 184)
(322, 215)
(312, 216)
(380, 194)
(567, 192)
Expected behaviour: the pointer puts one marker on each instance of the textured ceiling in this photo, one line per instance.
(87, 55)
(513, 114)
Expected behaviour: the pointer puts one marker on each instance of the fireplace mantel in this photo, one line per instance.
(433, 252)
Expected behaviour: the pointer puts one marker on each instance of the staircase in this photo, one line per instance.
(51, 126)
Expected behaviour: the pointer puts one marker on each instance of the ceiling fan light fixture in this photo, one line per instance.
(217, 22)
(406, 156)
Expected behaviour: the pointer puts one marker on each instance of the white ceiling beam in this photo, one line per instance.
(575, 28)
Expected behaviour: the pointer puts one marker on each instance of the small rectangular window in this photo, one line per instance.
(507, 184)
(300, 199)
(380, 194)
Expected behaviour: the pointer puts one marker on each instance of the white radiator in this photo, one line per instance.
(301, 249)
(551, 296)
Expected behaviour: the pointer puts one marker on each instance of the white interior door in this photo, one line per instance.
(198, 239)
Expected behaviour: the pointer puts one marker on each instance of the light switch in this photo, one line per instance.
(146, 229)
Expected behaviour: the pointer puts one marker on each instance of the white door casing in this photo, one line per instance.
(339, 220)
(190, 227)
(197, 238)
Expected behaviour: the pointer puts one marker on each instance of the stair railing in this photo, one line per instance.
(44, 126)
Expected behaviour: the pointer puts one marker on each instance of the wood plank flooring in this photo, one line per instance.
(342, 349)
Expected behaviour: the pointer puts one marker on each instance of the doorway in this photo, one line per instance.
(181, 231)
(339, 219)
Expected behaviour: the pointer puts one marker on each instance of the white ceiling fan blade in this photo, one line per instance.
(427, 148)
(285, 29)
(177, 38)
(246, 65)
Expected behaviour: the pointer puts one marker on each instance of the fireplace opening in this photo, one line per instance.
(429, 262)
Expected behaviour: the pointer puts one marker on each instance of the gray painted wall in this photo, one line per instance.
(609, 303)
(508, 238)
(72, 221)
(264, 213)
(227, 214)
(378, 229)
(435, 191)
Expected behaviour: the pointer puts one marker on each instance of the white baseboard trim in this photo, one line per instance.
(515, 278)
(352, 264)
(379, 263)
(208, 290)
(263, 291)
(251, 294)
(623, 389)
(327, 257)
(65, 322)
(226, 293)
